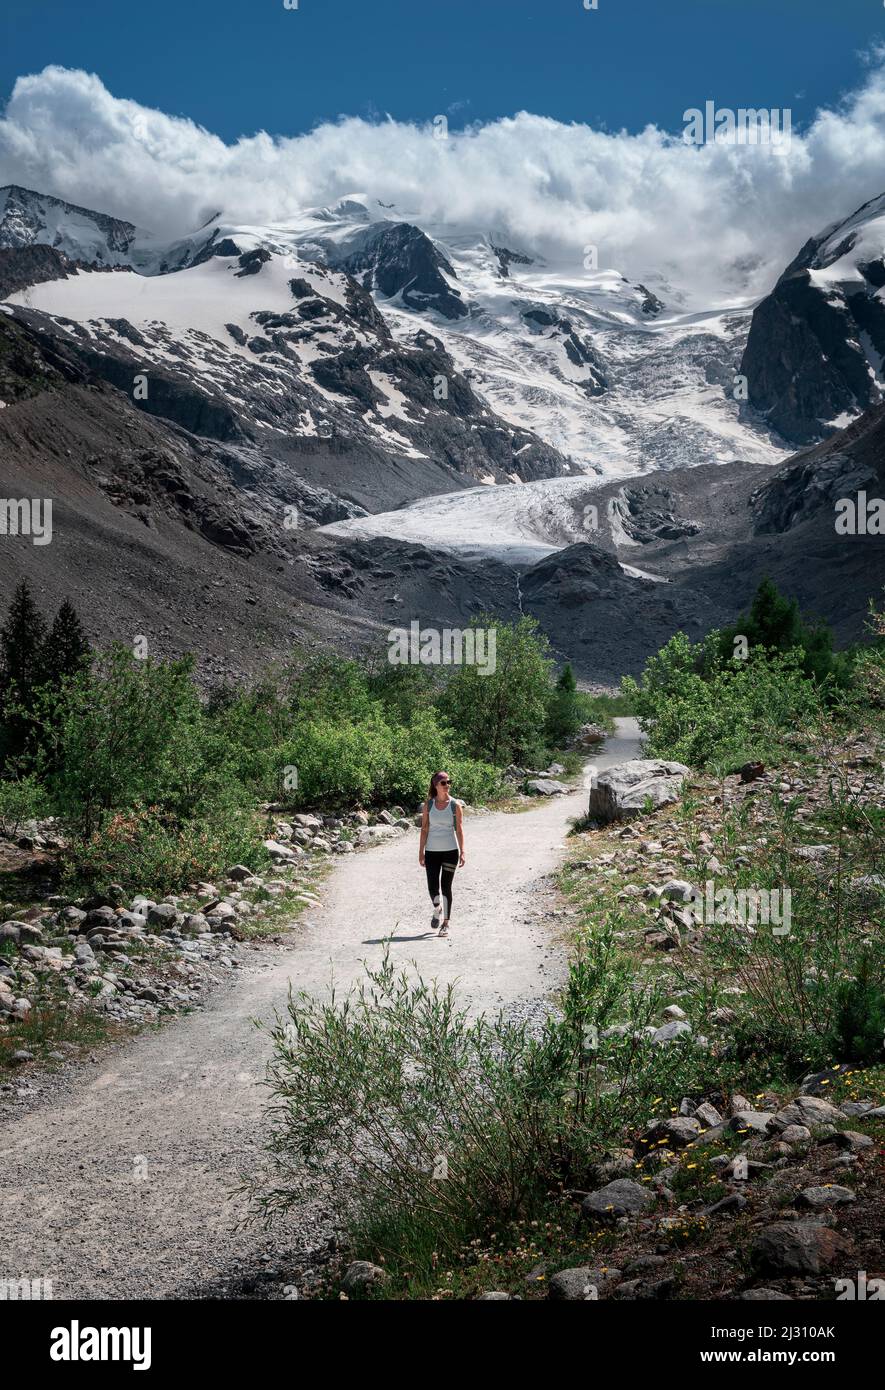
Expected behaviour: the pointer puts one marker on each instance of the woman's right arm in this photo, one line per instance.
(425, 828)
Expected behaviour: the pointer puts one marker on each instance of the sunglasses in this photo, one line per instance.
(443, 782)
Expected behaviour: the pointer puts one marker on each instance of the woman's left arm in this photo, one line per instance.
(459, 831)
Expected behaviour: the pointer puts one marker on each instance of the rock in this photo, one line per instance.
(671, 1031)
(222, 911)
(755, 1121)
(239, 871)
(627, 789)
(678, 890)
(84, 955)
(581, 1284)
(814, 854)
(545, 786)
(751, 771)
(734, 1202)
(809, 1111)
(795, 1134)
(673, 1012)
(10, 931)
(312, 823)
(21, 1056)
(708, 1115)
(496, 1294)
(361, 1276)
(763, 1295)
(385, 818)
(677, 1132)
(798, 1247)
(554, 770)
(829, 1196)
(623, 1197)
(164, 916)
(281, 853)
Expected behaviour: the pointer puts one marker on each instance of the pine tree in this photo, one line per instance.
(567, 679)
(774, 620)
(66, 650)
(22, 671)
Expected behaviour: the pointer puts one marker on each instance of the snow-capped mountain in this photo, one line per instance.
(606, 374)
(36, 219)
(224, 412)
(814, 355)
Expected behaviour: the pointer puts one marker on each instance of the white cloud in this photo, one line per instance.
(718, 219)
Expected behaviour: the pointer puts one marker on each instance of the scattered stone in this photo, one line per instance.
(582, 1284)
(671, 1031)
(623, 1197)
(827, 1196)
(763, 1295)
(362, 1275)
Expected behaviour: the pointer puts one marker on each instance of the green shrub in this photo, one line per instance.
(21, 800)
(143, 852)
(436, 1129)
(705, 712)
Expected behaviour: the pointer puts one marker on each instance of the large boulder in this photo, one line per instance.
(798, 1247)
(627, 789)
(623, 1197)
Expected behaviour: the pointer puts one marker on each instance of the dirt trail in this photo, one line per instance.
(120, 1187)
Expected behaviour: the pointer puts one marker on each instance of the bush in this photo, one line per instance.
(705, 712)
(436, 1129)
(143, 852)
(128, 737)
(21, 800)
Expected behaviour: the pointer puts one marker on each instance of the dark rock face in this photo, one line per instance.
(812, 353)
(252, 261)
(224, 247)
(399, 259)
(810, 483)
(508, 258)
(651, 305)
(647, 514)
(22, 266)
(578, 348)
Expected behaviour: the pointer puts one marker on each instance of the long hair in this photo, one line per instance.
(433, 781)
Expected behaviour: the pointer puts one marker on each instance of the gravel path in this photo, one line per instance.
(121, 1185)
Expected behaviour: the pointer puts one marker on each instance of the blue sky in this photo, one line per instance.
(237, 68)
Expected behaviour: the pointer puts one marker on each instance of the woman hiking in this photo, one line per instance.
(442, 847)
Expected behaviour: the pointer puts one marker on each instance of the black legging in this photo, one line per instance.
(441, 863)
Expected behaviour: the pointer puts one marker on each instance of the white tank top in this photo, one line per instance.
(441, 834)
